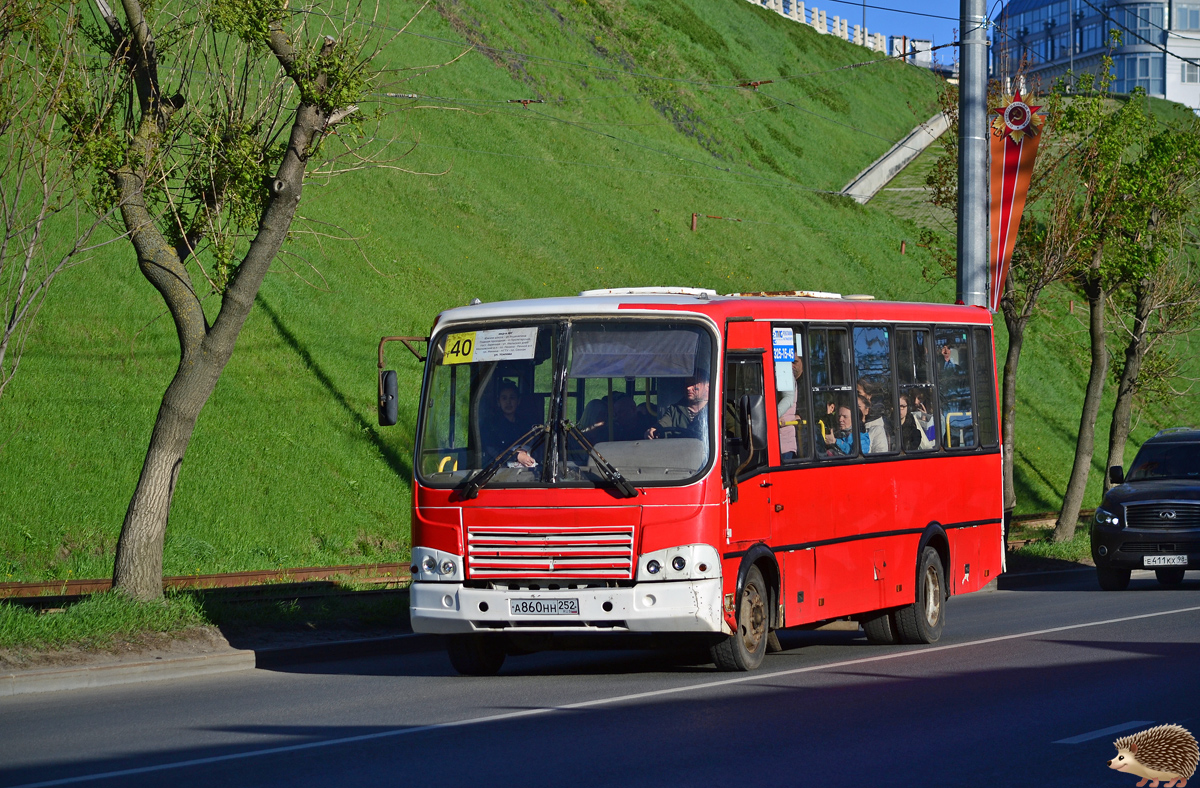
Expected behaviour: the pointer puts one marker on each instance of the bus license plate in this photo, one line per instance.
(1164, 560)
(544, 607)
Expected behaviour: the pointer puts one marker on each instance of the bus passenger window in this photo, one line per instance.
(873, 392)
(835, 433)
(985, 386)
(791, 395)
(917, 404)
(954, 388)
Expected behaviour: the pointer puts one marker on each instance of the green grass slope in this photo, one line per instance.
(595, 187)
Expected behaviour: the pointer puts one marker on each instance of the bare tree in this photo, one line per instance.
(226, 108)
(1109, 144)
(45, 228)
(1162, 299)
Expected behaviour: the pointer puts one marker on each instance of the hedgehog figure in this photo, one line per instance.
(1167, 752)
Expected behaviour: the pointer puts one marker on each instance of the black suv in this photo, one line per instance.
(1151, 519)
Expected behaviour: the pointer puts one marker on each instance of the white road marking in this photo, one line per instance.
(587, 703)
(1104, 732)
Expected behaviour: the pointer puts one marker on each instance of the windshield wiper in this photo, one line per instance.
(609, 471)
(488, 471)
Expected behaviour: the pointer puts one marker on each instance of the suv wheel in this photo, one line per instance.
(1112, 578)
(1169, 577)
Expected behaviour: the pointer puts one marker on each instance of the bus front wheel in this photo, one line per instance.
(476, 655)
(922, 621)
(746, 647)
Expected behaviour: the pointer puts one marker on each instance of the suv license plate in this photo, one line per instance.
(1164, 560)
(544, 607)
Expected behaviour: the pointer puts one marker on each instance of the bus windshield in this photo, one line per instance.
(534, 403)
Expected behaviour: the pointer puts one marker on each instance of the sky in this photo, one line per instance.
(890, 23)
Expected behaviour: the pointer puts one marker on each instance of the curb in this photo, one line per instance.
(89, 676)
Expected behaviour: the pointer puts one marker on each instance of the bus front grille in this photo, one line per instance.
(536, 551)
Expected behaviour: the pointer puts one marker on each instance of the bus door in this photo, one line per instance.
(745, 455)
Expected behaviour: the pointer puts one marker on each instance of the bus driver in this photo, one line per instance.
(688, 416)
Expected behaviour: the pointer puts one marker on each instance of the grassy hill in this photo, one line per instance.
(595, 187)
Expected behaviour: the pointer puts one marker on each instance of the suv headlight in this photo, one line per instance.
(1105, 517)
(687, 562)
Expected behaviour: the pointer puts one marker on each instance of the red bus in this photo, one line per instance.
(670, 461)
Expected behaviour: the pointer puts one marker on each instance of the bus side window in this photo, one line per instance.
(985, 387)
(791, 397)
(743, 376)
(833, 407)
(917, 404)
(954, 388)
(873, 391)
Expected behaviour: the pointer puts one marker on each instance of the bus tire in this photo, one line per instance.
(745, 648)
(922, 621)
(476, 655)
(1169, 577)
(881, 628)
(1112, 578)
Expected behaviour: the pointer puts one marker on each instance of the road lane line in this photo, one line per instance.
(395, 732)
(1103, 732)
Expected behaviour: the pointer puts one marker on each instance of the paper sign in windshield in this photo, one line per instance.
(783, 344)
(499, 344)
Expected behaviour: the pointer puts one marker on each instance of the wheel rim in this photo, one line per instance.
(753, 619)
(933, 596)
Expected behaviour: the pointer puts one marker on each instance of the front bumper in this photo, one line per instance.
(1127, 548)
(679, 606)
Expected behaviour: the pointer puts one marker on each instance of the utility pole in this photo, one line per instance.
(972, 155)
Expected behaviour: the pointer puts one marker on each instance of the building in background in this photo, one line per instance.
(1056, 36)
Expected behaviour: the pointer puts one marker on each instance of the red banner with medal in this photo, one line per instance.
(1015, 136)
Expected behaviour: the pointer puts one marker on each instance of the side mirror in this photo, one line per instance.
(389, 408)
(1116, 474)
(754, 420)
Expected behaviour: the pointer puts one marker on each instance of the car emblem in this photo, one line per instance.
(1167, 514)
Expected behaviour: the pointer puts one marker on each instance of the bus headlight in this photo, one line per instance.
(686, 562)
(436, 565)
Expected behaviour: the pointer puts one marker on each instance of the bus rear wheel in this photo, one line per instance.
(922, 621)
(881, 628)
(476, 655)
(746, 647)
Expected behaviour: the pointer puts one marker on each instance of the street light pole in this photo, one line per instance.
(972, 155)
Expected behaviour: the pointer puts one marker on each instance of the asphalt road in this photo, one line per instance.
(1027, 687)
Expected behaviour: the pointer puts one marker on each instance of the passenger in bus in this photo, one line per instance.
(948, 365)
(689, 416)
(873, 411)
(841, 441)
(792, 425)
(627, 424)
(915, 423)
(505, 426)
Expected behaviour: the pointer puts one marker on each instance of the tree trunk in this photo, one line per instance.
(1064, 529)
(1016, 323)
(1135, 351)
(138, 570)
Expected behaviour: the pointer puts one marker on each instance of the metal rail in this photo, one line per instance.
(381, 573)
